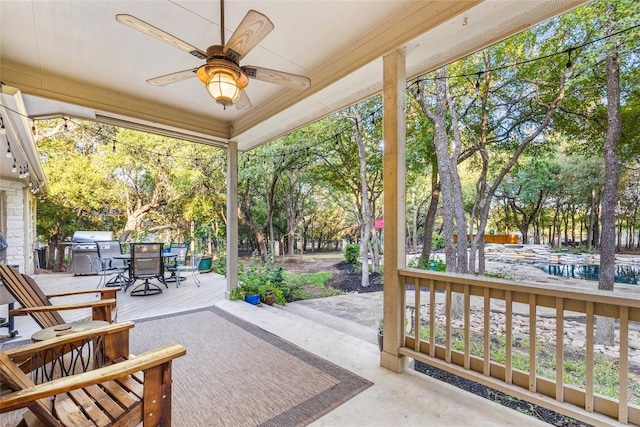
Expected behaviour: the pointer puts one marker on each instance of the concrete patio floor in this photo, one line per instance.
(407, 399)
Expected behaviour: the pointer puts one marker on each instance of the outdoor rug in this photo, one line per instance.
(236, 374)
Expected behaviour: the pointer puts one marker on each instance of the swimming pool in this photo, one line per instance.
(628, 274)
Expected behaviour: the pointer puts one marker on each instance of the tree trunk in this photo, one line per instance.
(366, 208)
(605, 334)
(429, 220)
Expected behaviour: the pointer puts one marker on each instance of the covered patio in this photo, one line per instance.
(73, 59)
(408, 399)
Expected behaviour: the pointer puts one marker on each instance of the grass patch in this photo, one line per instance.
(310, 285)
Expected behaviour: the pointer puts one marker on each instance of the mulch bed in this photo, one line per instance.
(346, 279)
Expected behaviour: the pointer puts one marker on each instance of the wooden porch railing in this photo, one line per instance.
(483, 345)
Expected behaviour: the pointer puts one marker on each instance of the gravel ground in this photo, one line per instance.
(504, 399)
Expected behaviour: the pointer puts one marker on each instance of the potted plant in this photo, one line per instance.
(249, 292)
(270, 294)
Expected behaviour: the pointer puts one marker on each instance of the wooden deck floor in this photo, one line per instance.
(172, 300)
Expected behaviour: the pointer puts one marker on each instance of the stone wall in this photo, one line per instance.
(20, 224)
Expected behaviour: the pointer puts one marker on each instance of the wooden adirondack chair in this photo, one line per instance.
(123, 392)
(38, 305)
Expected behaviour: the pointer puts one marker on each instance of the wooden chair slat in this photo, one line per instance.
(70, 414)
(133, 384)
(104, 401)
(120, 395)
(90, 408)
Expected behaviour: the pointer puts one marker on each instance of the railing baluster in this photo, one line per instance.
(623, 409)
(588, 397)
(467, 327)
(432, 319)
(508, 312)
(416, 314)
(532, 341)
(560, 349)
(448, 324)
(487, 332)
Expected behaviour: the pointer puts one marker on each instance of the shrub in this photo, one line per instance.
(433, 264)
(219, 264)
(258, 277)
(351, 253)
(437, 241)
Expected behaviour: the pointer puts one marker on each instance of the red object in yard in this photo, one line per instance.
(379, 223)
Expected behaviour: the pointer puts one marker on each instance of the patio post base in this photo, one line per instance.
(393, 362)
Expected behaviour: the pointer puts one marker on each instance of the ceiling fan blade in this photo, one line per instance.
(140, 25)
(278, 77)
(254, 27)
(167, 79)
(243, 103)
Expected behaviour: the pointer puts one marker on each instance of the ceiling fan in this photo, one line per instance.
(222, 74)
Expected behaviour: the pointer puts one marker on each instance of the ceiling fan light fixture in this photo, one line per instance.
(224, 81)
(223, 88)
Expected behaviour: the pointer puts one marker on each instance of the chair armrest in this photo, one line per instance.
(75, 306)
(29, 349)
(144, 361)
(102, 292)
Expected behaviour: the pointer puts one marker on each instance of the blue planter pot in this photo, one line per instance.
(252, 299)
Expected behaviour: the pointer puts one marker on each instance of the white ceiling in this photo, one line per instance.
(73, 58)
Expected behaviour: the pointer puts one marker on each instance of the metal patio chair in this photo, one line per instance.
(109, 252)
(191, 267)
(109, 277)
(147, 264)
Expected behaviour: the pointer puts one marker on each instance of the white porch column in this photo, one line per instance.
(394, 165)
(232, 216)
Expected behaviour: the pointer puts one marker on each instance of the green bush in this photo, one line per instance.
(433, 264)
(437, 242)
(219, 264)
(351, 253)
(259, 277)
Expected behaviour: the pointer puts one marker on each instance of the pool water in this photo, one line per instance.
(628, 274)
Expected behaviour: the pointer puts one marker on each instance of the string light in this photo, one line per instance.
(3, 131)
(14, 168)
(9, 153)
(478, 82)
(34, 129)
(569, 66)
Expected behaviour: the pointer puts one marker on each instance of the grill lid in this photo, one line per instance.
(91, 236)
